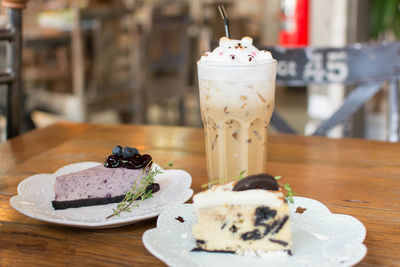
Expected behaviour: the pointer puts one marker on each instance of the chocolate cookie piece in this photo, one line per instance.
(258, 181)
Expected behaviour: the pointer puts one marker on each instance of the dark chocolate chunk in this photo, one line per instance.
(281, 224)
(200, 242)
(280, 242)
(258, 181)
(263, 214)
(300, 210)
(253, 235)
(180, 219)
(270, 227)
(233, 229)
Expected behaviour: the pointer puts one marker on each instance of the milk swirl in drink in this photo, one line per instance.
(237, 91)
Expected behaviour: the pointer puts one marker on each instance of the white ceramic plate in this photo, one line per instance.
(35, 194)
(319, 238)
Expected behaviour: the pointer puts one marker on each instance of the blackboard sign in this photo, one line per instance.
(348, 65)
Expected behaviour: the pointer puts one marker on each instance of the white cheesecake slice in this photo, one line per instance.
(247, 217)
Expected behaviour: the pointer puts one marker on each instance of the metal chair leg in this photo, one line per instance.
(14, 92)
(393, 126)
(353, 102)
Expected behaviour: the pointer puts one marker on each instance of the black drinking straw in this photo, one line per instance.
(224, 16)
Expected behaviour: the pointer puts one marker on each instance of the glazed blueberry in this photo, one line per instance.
(154, 187)
(112, 162)
(127, 157)
(130, 164)
(146, 158)
(117, 151)
(129, 152)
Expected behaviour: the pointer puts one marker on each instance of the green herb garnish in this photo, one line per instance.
(288, 188)
(137, 192)
(169, 164)
(225, 180)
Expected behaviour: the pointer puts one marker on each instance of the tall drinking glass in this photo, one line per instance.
(236, 104)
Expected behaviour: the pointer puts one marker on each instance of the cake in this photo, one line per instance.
(246, 217)
(104, 184)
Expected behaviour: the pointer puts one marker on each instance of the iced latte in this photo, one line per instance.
(237, 91)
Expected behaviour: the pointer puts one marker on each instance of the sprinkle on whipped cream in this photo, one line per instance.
(237, 52)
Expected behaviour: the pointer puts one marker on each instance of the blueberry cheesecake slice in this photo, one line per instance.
(104, 184)
(246, 217)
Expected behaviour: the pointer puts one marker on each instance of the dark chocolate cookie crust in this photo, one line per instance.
(61, 205)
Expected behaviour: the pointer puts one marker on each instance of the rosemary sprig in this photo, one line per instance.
(288, 188)
(224, 180)
(137, 192)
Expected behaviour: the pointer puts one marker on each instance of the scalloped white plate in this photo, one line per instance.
(319, 238)
(35, 194)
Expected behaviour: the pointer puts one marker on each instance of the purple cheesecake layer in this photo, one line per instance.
(96, 182)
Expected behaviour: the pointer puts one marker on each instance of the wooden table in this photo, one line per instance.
(356, 177)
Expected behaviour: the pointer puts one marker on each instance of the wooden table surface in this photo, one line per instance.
(356, 177)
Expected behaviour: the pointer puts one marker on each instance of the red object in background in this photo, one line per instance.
(294, 23)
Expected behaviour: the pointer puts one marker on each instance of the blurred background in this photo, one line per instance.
(131, 61)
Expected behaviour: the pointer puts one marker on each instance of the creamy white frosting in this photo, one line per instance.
(222, 194)
(236, 52)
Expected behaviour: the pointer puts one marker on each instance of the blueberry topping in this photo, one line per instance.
(129, 152)
(154, 187)
(146, 158)
(112, 162)
(128, 157)
(129, 164)
(259, 181)
(117, 151)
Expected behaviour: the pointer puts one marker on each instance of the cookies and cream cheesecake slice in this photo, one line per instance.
(250, 216)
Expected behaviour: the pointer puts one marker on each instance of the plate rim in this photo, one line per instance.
(359, 241)
(92, 225)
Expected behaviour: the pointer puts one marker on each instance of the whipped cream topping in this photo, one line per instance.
(222, 194)
(237, 52)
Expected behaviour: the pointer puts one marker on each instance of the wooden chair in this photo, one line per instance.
(102, 65)
(366, 66)
(12, 77)
(166, 50)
